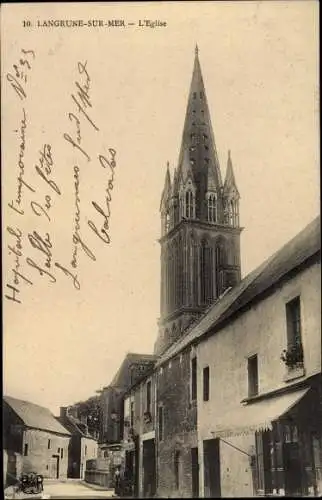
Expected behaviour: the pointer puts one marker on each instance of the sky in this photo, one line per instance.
(260, 67)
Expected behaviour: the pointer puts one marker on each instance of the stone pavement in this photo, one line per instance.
(71, 488)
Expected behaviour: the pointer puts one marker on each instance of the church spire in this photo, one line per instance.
(166, 190)
(200, 255)
(198, 153)
(230, 186)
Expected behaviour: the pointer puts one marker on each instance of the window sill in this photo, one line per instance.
(294, 373)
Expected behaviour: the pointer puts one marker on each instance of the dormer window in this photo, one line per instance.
(205, 137)
(212, 208)
(201, 95)
(195, 95)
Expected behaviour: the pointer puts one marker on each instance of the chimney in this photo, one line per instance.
(63, 411)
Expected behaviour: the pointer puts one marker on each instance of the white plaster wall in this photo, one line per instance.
(39, 455)
(262, 331)
(89, 450)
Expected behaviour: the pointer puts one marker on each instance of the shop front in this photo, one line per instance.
(276, 441)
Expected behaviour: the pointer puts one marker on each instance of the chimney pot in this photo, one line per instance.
(63, 411)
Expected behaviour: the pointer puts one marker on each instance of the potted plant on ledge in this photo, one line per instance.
(293, 356)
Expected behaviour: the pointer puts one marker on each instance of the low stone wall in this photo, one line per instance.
(101, 478)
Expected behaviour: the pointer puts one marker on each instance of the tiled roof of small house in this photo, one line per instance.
(74, 426)
(287, 259)
(35, 416)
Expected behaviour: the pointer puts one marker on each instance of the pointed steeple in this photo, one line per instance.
(175, 183)
(230, 185)
(167, 188)
(198, 154)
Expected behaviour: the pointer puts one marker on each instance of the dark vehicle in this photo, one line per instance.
(31, 483)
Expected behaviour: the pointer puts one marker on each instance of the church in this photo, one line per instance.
(229, 404)
(200, 231)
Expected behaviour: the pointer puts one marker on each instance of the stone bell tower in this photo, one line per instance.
(200, 231)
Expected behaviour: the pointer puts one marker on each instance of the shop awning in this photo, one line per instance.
(256, 416)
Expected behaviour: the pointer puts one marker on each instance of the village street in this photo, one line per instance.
(68, 489)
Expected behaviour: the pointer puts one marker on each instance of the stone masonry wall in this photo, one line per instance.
(179, 428)
(39, 458)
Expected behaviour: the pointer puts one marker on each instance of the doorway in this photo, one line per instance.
(54, 467)
(293, 469)
(195, 472)
(130, 469)
(149, 468)
(212, 488)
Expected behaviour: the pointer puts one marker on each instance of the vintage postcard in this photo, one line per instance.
(161, 249)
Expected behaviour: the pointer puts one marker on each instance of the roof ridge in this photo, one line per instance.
(240, 291)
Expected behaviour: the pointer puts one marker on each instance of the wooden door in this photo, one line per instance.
(212, 468)
(293, 469)
(54, 467)
(195, 472)
(149, 468)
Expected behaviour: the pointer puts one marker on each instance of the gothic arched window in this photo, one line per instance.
(180, 273)
(189, 204)
(212, 208)
(206, 273)
(221, 261)
(175, 275)
(236, 213)
(170, 279)
(167, 221)
(231, 214)
(226, 213)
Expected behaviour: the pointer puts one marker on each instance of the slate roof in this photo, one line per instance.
(198, 121)
(122, 376)
(35, 416)
(74, 426)
(295, 253)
